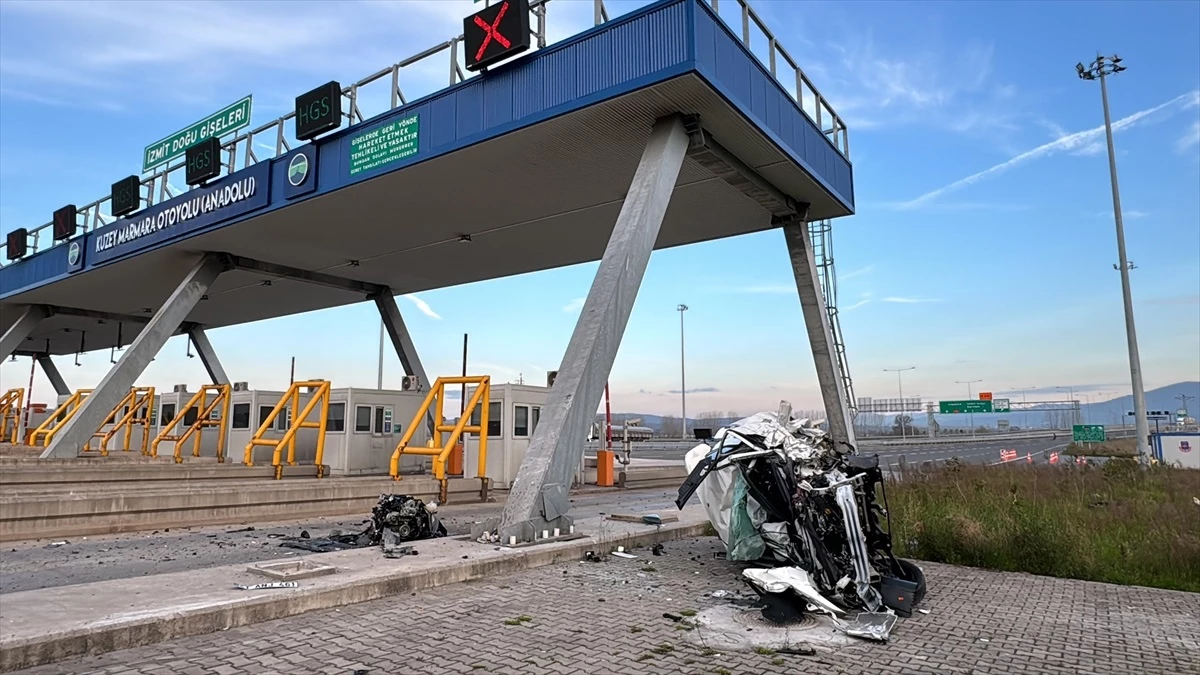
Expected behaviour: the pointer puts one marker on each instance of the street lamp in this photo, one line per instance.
(971, 417)
(1100, 69)
(900, 384)
(682, 371)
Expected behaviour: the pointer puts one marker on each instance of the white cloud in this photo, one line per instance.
(1190, 138)
(862, 271)
(856, 305)
(422, 306)
(1066, 143)
(574, 305)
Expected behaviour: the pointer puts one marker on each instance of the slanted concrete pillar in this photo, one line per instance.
(208, 356)
(820, 335)
(538, 498)
(27, 319)
(135, 358)
(401, 339)
(52, 374)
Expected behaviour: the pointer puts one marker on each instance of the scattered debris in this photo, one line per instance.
(657, 549)
(796, 650)
(721, 594)
(244, 529)
(394, 520)
(645, 519)
(622, 554)
(267, 586)
(779, 493)
(56, 544)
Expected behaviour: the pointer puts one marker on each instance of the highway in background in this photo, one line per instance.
(977, 452)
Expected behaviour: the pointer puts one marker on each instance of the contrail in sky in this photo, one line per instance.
(1066, 143)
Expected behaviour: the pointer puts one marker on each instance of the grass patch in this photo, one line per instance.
(765, 651)
(687, 612)
(777, 661)
(649, 568)
(1117, 447)
(1116, 523)
(664, 648)
(636, 629)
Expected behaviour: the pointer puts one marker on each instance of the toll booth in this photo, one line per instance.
(513, 413)
(364, 427)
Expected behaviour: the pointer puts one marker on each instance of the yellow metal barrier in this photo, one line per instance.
(291, 400)
(137, 406)
(12, 402)
(437, 449)
(58, 419)
(204, 410)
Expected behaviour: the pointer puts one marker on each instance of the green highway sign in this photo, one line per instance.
(1088, 433)
(1001, 405)
(225, 121)
(384, 145)
(968, 406)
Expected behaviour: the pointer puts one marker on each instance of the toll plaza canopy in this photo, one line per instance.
(522, 168)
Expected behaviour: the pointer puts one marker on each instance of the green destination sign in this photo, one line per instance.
(384, 145)
(968, 406)
(1088, 433)
(225, 121)
(1001, 405)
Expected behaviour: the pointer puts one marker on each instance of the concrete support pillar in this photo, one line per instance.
(52, 374)
(208, 356)
(27, 320)
(401, 339)
(135, 358)
(538, 499)
(820, 335)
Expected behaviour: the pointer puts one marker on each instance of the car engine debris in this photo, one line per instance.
(783, 497)
(396, 519)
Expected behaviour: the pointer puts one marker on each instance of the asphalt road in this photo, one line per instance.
(38, 564)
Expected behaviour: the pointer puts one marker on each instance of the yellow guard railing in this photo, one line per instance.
(137, 406)
(320, 395)
(204, 409)
(58, 419)
(12, 402)
(437, 449)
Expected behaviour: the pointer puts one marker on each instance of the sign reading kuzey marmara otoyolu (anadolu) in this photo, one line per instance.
(227, 198)
(225, 121)
(384, 145)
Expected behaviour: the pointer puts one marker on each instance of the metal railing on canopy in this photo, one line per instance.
(271, 139)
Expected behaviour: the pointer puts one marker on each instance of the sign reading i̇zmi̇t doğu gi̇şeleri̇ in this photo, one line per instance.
(225, 121)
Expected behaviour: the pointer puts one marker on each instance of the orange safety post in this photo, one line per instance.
(454, 466)
(604, 467)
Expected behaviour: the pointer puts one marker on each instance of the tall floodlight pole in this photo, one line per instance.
(971, 417)
(900, 385)
(1100, 69)
(1074, 404)
(682, 371)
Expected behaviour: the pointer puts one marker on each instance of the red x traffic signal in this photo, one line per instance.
(496, 32)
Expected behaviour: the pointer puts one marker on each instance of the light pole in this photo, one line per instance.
(379, 369)
(900, 385)
(682, 371)
(970, 417)
(1024, 409)
(1100, 69)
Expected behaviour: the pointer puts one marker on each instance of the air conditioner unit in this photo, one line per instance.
(180, 388)
(550, 376)
(410, 383)
(241, 386)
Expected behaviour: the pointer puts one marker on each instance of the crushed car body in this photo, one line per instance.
(781, 496)
(395, 519)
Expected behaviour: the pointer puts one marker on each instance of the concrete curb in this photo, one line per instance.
(149, 628)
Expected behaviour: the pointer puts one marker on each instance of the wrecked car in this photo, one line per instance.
(395, 519)
(808, 517)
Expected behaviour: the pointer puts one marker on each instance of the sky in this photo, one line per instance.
(982, 248)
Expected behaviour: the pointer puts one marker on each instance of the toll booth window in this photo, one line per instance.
(536, 415)
(283, 421)
(495, 427)
(378, 420)
(264, 411)
(337, 417)
(168, 412)
(362, 419)
(190, 415)
(241, 415)
(520, 421)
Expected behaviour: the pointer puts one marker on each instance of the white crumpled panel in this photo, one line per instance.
(715, 491)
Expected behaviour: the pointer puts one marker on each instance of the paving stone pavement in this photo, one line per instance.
(608, 618)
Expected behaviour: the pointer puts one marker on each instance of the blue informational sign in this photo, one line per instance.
(235, 195)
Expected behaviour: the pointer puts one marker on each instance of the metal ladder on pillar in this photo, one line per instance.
(821, 234)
